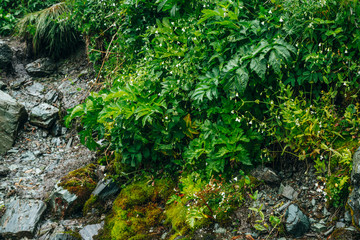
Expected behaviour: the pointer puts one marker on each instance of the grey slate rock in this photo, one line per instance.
(354, 205)
(36, 90)
(18, 83)
(318, 227)
(297, 223)
(288, 192)
(61, 201)
(51, 96)
(41, 68)
(5, 57)
(89, 231)
(355, 174)
(340, 225)
(2, 85)
(60, 233)
(44, 115)
(21, 217)
(266, 174)
(105, 189)
(4, 171)
(12, 117)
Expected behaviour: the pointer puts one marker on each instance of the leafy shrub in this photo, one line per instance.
(205, 88)
(49, 31)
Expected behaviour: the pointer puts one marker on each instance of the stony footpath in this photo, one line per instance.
(37, 151)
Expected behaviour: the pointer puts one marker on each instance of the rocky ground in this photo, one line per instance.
(44, 151)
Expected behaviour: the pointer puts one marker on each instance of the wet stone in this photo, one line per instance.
(355, 174)
(44, 115)
(21, 218)
(4, 171)
(318, 227)
(51, 96)
(61, 201)
(297, 223)
(41, 68)
(12, 117)
(5, 57)
(60, 233)
(267, 175)
(340, 225)
(288, 192)
(89, 231)
(105, 189)
(354, 205)
(18, 83)
(2, 85)
(36, 90)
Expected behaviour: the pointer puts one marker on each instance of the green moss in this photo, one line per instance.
(176, 217)
(75, 235)
(136, 210)
(92, 202)
(80, 182)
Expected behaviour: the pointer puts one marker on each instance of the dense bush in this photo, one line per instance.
(211, 87)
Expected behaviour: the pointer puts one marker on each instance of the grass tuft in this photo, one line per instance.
(49, 31)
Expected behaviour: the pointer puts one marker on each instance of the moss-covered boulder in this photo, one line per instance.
(72, 191)
(138, 211)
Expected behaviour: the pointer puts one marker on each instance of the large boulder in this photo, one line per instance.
(355, 174)
(354, 197)
(297, 223)
(5, 57)
(72, 191)
(12, 117)
(44, 115)
(62, 201)
(41, 68)
(21, 218)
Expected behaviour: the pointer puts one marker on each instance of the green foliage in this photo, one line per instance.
(12, 10)
(204, 86)
(200, 203)
(49, 31)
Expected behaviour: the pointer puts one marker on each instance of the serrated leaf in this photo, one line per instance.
(242, 79)
(259, 67)
(274, 62)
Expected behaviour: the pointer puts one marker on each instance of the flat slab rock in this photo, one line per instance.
(12, 117)
(89, 231)
(21, 217)
(41, 67)
(44, 115)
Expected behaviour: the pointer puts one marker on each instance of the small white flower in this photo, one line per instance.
(281, 20)
(270, 12)
(319, 44)
(346, 51)
(235, 179)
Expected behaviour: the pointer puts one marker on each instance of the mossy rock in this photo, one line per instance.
(81, 183)
(93, 202)
(138, 209)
